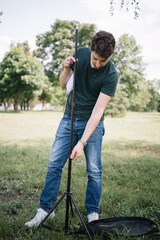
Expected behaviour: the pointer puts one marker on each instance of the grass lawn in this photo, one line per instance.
(131, 172)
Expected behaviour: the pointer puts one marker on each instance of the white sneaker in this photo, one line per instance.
(92, 216)
(40, 215)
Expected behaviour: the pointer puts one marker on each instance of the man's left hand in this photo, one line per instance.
(77, 151)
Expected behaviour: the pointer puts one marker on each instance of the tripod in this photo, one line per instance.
(68, 194)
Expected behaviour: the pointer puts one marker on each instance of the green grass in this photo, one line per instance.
(131, 172)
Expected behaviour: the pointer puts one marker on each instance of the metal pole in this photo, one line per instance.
(71, 136)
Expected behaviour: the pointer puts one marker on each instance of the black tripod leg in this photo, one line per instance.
(81, 218)
(71, 207)
(67, 213)
(41, 224)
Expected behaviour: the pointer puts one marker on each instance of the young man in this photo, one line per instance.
(96, 80)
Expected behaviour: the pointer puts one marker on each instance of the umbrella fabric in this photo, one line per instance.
(126, 226)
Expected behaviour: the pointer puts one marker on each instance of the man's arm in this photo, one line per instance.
(92, 123)
(67, 72)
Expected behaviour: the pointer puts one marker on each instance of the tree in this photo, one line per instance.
(47, 94)
(85, 34)
(128, 60)
(154, 90)
(59, 96)
(21, 76)
(158, 107)
(118, 105)
(126, 4)
(59, 42)
(139, 101)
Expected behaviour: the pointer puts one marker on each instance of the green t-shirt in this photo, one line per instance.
(89, 83)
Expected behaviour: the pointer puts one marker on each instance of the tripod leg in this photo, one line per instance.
(41, 224)
(67, 213)
(71, 207)
(81, 218)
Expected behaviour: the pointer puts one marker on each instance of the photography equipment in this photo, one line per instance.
(121, 226)
(71, 65)
(68, 193)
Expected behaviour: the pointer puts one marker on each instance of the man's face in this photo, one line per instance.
(97, 61)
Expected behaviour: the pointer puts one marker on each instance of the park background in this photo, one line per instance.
(35, 38)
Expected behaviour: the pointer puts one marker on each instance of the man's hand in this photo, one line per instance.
(67, 72)
(77, 151)
(67, 62)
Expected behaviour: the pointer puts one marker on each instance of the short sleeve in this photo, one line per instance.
(109, 84)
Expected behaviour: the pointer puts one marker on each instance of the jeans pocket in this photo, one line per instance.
(66, 117)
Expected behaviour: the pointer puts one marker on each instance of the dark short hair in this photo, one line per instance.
(103, 43)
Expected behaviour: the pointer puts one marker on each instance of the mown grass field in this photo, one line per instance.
(131, 172)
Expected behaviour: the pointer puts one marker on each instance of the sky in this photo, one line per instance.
(23, 20)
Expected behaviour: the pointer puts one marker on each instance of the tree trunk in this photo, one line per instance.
(21, 106)
(5, 106)
(27, 105)
(24, 104)
(15, 105)
(16, 102)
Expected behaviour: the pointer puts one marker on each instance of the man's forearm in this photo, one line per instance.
(90, 127)
(92, 123)
(64, 77)
(96, 115)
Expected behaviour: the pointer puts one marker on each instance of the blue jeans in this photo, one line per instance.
(59, 156)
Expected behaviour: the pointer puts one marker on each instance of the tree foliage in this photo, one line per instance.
(154, 90)
(127, 5)
(117, 107)
(21, 76)
(140, 100)
(58, 43)
(158, 107)
(47, 94)
(59, 96)
(128, 60)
